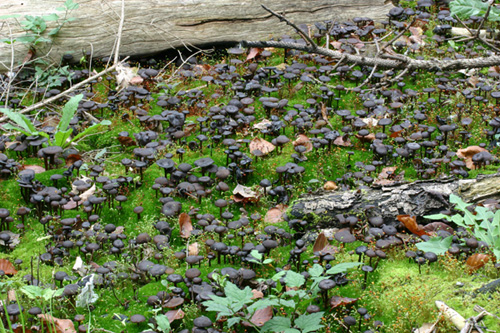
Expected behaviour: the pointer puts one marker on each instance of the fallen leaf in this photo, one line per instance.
(416, 35)
(60, 325)
(174, 314)
(330, 186)
(72, 158)
(262, 125)
(257, 294)
(436, 226)
(185, 225)
(36, 168)
(254, 52)
(410, 222)
(320, 243)
(193, 249)
(476, 261)
(303, 140)
(339, 141)
(275, 214)
(7, 267)
(467, 154)
(260, 144)
(136, 80)
(337, 301)
(245, 194)
(261, 316)
(127, 141)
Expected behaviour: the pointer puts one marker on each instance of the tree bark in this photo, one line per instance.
(418, 198)
(155, 25)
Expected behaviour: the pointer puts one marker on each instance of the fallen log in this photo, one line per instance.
(417, 198)
(152, 26)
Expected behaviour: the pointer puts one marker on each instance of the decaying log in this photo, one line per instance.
(151, 25)
(417, 198)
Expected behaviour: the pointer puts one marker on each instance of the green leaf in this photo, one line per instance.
(293, 279)
(288, 303)
(32, 292)
(4, 17)
(221, 309)
(20, 119)
(277, 324)
(342, 267)
(261, 304)
(61, 137)
(50, 17)
(54, 31)
(436, 244)
(163, 323)
(88, 130)
(237, 296)
(437, 217)
(68, 112)
(310, 322)
(232, 321)
(47, 294)
(10, 127)
(316, 270)
(467, 8)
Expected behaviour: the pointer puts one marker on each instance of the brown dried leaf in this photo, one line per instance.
(174, 314)
(320, 243)
(417, 35)
(476, 261)
(339, 141)
(436, 226)
(254, 52)
(330, 186)
(7, 267)
(410, 222)
(337, 301)
(194, 249)
(260, 144)
(61, 325)
(303, 140)
(467, 154)
(72, 158)
(261, 316)
(257, 294)
(185, 225)
(245, 194)
(36, 168)
(275, 214)
(127, 141)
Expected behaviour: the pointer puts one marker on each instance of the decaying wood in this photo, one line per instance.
(398, 61)
(151, 26)
(417, 198)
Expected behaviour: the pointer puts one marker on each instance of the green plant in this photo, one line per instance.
(484, 224)
(42, 296)
(257, 258)
(63, 131)
(36, 27)
(437, 245)
(467, 8)
(162, 322)
(51, 77)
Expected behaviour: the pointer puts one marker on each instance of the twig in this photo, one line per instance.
(484, 18)
(64, 93)
(282, 18)
(119, 35)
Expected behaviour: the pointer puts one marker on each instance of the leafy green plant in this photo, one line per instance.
(162, 322)
(257, 258)
(51, 77)
(467, 8)
(63, 131)
(438, 245)
(36, 27)
(484, 224)
(43, 296)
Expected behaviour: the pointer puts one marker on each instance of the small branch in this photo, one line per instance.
(282, 18)
(119, 35)
(484, 18)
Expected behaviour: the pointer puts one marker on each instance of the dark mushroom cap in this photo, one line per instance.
(344, 236)
(326, 284)
(202, 322)
(192, 273)
(137, 319)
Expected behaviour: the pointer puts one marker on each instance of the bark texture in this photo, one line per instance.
(156, 25)
(418, 198)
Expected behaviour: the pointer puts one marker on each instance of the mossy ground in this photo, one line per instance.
(397, 293)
